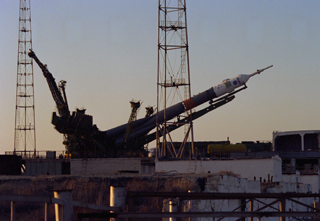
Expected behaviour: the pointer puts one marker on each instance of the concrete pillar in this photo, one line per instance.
(46, 212)
(173, 207)
(251, 208)
(13, 211)
(191, 205)
(293, 164)
(117, 198)
(302, 141)
(282, 208)
(64, 212)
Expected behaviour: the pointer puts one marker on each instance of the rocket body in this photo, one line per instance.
(144, 125)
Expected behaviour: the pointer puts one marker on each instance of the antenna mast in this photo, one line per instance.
(25, 134)
(173, 77)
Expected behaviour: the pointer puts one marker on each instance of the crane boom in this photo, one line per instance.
(76, 123)
(61, 103)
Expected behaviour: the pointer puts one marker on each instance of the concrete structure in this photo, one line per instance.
(231, 184)
(263, 169)
(214, 193)
(222, 184)
(117, 199)
(313, 180)
(62, 200)
(291, 178)
(104, 165)
(302, 140)
(46, 167)
(225, 183)
(63, 212)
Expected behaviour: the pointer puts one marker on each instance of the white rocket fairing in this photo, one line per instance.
(221, 89)
(229, 85)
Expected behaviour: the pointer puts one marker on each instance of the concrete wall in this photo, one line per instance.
(312, 180)
(43, 167)
(231, 184)
(267, 168)
(291, 178)
(283, 187)
(95, 189)
(104, 165)
(222, 184)
(147, 168)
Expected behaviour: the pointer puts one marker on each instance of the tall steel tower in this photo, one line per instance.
(173, 76)
(25, 132)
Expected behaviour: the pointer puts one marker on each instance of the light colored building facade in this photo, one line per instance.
(263, 169)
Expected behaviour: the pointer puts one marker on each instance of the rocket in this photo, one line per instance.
(79, 125)
(145, 125)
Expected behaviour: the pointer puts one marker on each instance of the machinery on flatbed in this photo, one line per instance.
(83, 139)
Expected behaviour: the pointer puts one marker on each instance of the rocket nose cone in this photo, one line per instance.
(245, 78)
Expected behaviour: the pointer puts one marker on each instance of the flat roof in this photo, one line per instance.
(283, 133)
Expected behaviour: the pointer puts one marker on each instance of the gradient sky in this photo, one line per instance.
(107, 53)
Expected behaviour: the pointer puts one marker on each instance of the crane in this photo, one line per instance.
(76, 126)
(60, 99)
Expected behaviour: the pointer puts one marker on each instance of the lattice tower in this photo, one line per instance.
(173, 75)
(25, 132)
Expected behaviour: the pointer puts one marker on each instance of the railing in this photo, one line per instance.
(251, 205)
(63, 204)
(43, 154)
(118, 198)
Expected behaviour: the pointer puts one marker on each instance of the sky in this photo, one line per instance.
(107, 53)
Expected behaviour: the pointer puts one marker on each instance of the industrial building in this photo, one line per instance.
(303, 140)
(284, 165)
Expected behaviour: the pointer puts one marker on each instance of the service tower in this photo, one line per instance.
(25, 133)
(173, 77)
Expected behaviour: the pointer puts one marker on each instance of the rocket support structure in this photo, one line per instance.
(144, 125)
(79, 127)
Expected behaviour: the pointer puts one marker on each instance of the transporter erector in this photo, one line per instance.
(83, 139)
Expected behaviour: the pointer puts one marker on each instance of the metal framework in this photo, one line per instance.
(173, 76)
(251, 205)
(25, 133)
(135, 106)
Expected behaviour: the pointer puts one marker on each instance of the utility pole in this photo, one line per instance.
(173, 77)
(25, 132)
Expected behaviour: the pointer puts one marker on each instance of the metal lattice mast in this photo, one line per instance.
(25, 134)
(173, 75)
(135, 106)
